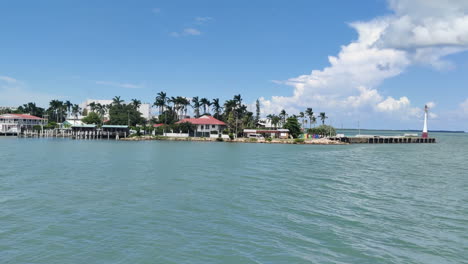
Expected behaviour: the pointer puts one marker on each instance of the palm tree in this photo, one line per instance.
(101, 110)
(216, 107)
(301, 115)
(53, 106)
(275, 120)
(76, 111)
(310, 114)
(196, 106)
(323, 117)
(283, 115)
(205, 103)
(229, 106)
(117, 101)
(185, 104)
(238, 99)
(160, 101)
(136, 103)
(68, 105)
(92, 106)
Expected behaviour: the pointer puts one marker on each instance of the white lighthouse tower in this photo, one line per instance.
(424, 133)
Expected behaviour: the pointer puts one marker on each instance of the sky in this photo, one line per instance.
(372, 62)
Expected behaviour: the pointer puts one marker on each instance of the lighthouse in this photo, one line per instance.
(424, 133)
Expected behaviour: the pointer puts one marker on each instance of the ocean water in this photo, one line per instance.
(84, 201)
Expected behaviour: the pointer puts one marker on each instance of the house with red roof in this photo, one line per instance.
(14, 123)
(206, 125)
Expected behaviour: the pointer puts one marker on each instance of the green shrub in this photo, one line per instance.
(298, 140)
(269, 139)
(323, 130)
(231, 136)
(220, 139)
(253, 140)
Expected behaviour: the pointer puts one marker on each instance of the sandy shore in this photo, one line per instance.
(320, 141)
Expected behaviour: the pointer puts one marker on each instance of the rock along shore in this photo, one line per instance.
(320, 141)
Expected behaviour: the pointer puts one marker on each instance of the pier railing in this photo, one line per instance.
(384, 140)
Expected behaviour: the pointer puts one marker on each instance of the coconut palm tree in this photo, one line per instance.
(185, 104)
(283, 116)
(323, 117)
(76, 111)
(68, 105)
(205, 103)
(310, 114)
(275, 120)
(196, 106)
(301, 116)
(92, 106)
(117, 101)
(101, 111)
(160, 101)
(216, 107)
(238, 99)
(136, 103)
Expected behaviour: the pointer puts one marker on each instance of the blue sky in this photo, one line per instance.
(98, 49)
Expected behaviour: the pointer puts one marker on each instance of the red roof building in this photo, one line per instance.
(20, 116)
(13, 123)
(206, 126)
(204, 120)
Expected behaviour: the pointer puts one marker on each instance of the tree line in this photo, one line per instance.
(171, 109)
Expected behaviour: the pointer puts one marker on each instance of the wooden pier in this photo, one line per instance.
(63, 133)
(384, 140)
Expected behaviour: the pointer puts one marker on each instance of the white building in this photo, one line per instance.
(144, 109)
(12, 108)
(14, 123)
(265, 122)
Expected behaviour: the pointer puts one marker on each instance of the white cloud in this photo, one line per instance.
(431, 105)
(202, 20)
(15, 92)
(191, 31)
(464, 107)
(386, 47)
(391, 104)
(186, 32)
(121, 85)
(8, 79)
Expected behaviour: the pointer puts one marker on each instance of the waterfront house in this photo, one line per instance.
(273, 133)
(14, 123)
(205, 126)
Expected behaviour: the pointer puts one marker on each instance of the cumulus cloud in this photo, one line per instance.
(417, 32)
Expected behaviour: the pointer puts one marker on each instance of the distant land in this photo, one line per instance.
(404, 130)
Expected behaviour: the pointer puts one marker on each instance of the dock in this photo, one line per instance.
(384, 140)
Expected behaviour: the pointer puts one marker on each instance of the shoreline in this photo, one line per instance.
(320, 141)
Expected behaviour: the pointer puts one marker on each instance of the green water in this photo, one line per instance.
(66, 201)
